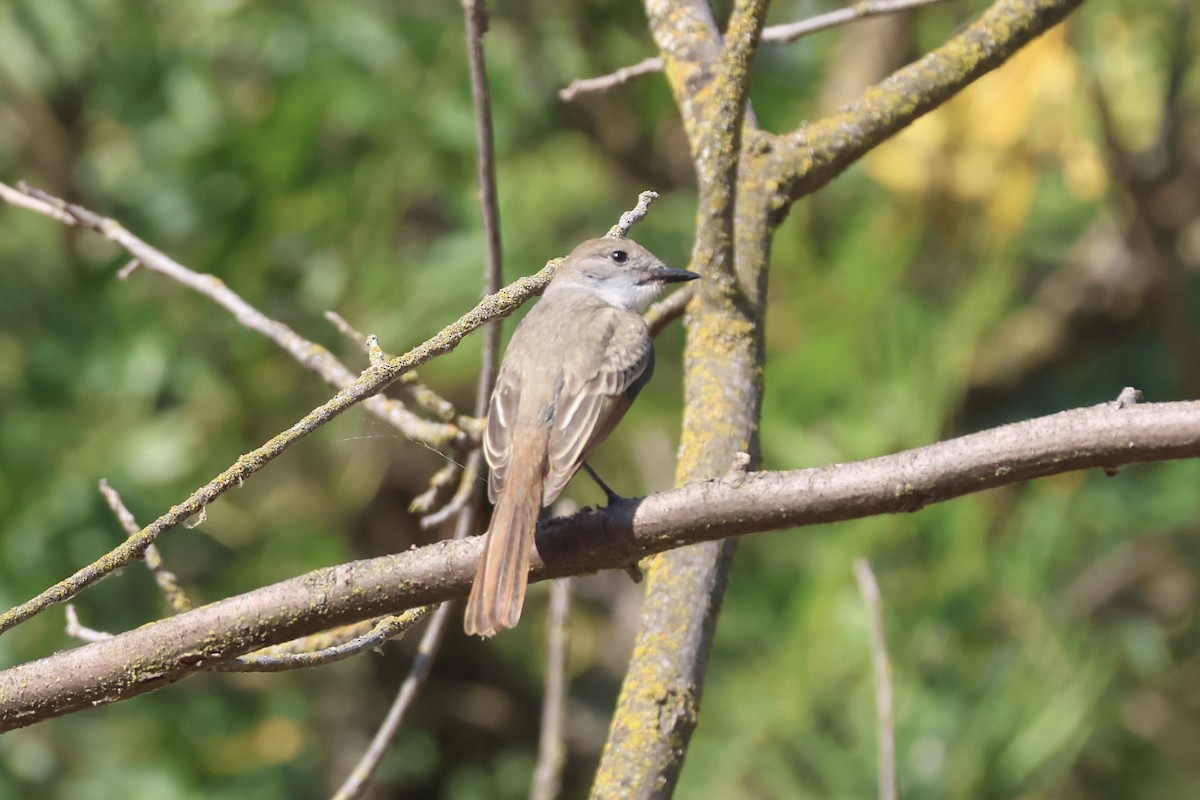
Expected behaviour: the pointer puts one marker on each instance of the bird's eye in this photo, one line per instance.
(619, 256)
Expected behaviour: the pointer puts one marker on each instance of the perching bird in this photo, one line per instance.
(571, 371)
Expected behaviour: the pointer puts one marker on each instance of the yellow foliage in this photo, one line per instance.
(988, 145)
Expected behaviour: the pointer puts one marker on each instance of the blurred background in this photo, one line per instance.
(1032, 246)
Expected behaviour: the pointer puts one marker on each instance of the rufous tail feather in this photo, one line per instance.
(499, 589)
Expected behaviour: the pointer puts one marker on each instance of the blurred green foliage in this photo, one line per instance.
(319, 156)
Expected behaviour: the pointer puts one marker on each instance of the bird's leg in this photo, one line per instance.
(612, 496)
(633, 570)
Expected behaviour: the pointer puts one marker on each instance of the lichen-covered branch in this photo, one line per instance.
(817, 152)
(658, 706)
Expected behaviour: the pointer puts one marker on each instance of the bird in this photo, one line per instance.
(572, 369)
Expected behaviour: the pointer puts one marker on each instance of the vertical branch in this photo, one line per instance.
(885, 714)
(477, 23)
(359, 778)
(547, 776)
(659, 701)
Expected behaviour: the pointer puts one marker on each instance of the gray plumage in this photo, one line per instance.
(571, 371)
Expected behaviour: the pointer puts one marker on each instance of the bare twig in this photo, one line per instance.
(167, 582)
(669, 309)
(633, 216)
(163, 652)
(316, 650)
(864, 9)
(547, 775)
(776, 34)
(412, 390)
(360, 777)
(441, 489)
(307, 353)
(55, 211)
(602, 83)
(288, 656)
(476, 15)
(467, 479)
(76, 630)
(868, 587)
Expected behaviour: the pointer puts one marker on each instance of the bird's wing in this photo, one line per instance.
(497, 438)
(593, 401)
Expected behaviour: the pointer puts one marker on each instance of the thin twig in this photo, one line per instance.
(547, 775)
(317, 650)
(411, 389)
(476, 15)
(602, 83)
(885, 714)
(791, 31)
(306, 353)
(442, 488)
(167, 582)
(76, 630)
(775, 34)
(283, 657)
(55, 211)
(669, 309)
(633, 216)
(467, 479)
(418, 673)
(360, 777)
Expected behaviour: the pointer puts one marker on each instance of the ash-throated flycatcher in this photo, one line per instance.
(571, 371)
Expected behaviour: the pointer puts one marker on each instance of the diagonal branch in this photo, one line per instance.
(155, 655)
(816, 153)
(370, 382)
(308, 354)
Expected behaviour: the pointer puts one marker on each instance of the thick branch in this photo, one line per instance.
(659, 701)
(164, 652)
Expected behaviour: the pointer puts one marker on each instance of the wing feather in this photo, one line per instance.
(497, 438)
(620, 343)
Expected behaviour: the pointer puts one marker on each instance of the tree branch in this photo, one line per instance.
(659, 700)
(881, 669)
(373, 380)
(166, 651)
(776, 34)
(815, 154)
(308, 354)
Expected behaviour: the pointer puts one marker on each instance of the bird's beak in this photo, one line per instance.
(665, 274)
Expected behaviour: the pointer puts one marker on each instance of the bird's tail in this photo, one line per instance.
(499, 589)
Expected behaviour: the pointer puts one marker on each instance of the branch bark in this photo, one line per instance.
(816, 153)
(161, 653)
(660, 696)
